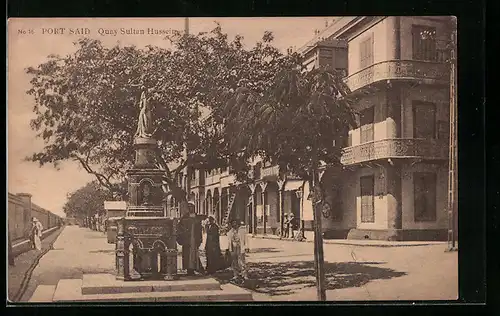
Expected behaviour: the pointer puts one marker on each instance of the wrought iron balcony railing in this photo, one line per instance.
(401, 70)
(428, 149)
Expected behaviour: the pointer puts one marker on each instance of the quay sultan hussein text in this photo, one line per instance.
(106, 31)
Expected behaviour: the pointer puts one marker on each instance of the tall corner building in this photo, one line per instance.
(393, 182)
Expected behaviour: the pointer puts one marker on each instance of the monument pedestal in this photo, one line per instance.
(152, 244)
(146, 246)
(105, 288)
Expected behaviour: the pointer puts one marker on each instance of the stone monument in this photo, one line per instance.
(145, 232)
(147, 235)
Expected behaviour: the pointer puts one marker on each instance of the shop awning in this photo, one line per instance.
(293, 185)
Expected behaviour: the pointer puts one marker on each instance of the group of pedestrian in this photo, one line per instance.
(190, 237)
(95, 223)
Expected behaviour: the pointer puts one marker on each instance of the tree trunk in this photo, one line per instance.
(319, 262)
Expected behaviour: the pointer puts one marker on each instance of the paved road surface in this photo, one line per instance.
(284, 270)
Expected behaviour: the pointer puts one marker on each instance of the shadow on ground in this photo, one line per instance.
(281, 278)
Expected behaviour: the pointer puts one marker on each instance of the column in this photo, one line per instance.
(252, 216)
(281, 187)
(121, 253)
(263, 186)
(394, 206)
(394, 109)
(394, 38)
(219, 208)
(300, 195)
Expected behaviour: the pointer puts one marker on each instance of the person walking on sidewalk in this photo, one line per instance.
(36, 233)
(236, 247)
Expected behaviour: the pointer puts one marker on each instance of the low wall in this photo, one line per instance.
(20, 247)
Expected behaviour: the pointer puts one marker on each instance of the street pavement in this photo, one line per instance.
(284, 270)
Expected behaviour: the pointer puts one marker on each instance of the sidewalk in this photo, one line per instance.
(361, 243)
(25, 262)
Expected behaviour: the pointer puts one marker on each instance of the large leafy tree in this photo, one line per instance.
(86, 201)
(87, 102)
(299, 123)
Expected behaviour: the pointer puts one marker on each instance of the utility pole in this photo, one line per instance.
(452, 165)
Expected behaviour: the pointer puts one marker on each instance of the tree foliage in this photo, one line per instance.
(302, 119)
(86, 201)
(86, 103)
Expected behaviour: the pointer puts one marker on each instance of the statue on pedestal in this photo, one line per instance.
(145, 123)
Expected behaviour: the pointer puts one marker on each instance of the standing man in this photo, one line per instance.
(212, 246)
(190, 238)
(291, 224)
(286, 232)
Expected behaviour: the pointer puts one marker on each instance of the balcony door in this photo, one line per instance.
(367, 184)
(424, 43)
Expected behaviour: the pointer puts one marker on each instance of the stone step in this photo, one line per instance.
(70, 291)
(43, 294)
(108, 284)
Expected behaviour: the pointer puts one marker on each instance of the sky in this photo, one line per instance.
(30, 41)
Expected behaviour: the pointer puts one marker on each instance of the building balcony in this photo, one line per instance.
(426, 149)
(432, 72)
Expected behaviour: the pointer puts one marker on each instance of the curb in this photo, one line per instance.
(347, 243)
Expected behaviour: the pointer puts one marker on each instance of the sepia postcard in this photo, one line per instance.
(232, 159)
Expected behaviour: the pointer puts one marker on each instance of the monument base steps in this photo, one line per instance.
(105, 288)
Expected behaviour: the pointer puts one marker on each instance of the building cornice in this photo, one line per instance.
(358, 26)
(325, 34)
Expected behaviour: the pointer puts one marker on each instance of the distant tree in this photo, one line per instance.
(86, 103)
(86, 201)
